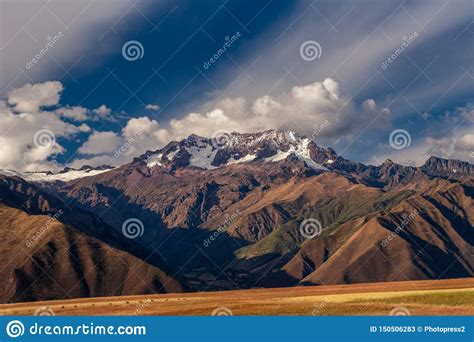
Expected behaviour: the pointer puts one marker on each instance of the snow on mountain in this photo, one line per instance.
(66, 175)
(301, 151)
(154, 160)
(247, 158)
(204, 153)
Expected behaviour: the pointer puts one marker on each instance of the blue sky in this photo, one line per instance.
(381, 67)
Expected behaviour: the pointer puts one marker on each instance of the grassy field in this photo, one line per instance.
(434, 297)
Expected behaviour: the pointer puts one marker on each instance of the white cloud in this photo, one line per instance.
(31, 97)
(18, 148)
(100, 143)
(138, 136)
(303, 109)
(443, 141)
(94, 161)
(459, 144)
(152, 107)
(265, 105)
(465, 143)
(102, 112)
(76, 113)
(42, 19)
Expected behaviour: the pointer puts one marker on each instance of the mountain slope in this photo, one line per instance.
(426, 236)
(225, 215)
(45, 255)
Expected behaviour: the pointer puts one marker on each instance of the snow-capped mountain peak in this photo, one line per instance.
(233, 147)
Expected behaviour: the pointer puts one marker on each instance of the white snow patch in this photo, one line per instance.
(248, 157)
(172, 154)
(202, 156)
(279, 156)
(301, 151)
(292, 135)
(154, 160)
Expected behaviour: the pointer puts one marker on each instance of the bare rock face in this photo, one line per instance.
(239, 204)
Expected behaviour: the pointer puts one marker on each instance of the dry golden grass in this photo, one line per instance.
(436, 297)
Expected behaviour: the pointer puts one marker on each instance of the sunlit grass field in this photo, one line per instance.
(435, 297)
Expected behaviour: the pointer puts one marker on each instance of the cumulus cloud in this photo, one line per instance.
(102, 112)
(21, 144)
(303, 109)
(99, 143)
(465, 144)
(76, 113)
(451, 139)
(31, 97)
(79, 113)
(94, 161)
(459, 146)
(138, 135)
(316, 107)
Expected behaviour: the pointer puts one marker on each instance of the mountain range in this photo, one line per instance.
(268, 209)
